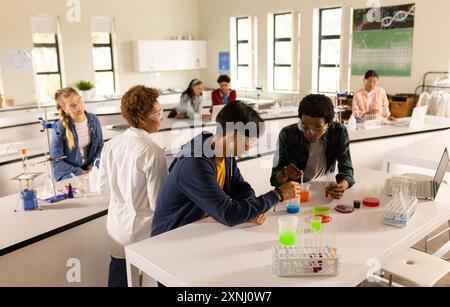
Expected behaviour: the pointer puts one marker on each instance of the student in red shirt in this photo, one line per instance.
(224, 94)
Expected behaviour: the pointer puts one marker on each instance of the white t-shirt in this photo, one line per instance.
(371, 97)
(84, 139)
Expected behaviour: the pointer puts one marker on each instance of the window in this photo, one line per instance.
(47, 63)
(103, 56)
(329, 50)
(46, 56)
(282, 52)
(242, 55)
(103, 63)
(243, 52)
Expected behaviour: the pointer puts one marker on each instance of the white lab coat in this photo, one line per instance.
(133, 169)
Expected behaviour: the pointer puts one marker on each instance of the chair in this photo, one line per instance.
(419, 268)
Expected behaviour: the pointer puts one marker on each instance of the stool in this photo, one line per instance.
(421, 269)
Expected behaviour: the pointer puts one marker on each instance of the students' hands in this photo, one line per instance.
(290, 190)
(259, 220)
(292, 172)
(372, 112)
(337, 189)
(392, 118)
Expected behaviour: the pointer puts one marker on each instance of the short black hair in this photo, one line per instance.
(371, 73)
(318, 106)
(224, 78)
(239, 113)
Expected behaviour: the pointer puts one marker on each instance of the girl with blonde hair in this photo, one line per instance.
(77, 136)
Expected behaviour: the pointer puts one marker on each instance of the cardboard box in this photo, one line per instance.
(401, 106)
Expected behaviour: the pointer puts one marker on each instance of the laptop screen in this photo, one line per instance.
(441, 170)
(418, 116)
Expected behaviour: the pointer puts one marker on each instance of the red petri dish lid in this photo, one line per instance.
(344, 209)
(371, 202)
(325, 218)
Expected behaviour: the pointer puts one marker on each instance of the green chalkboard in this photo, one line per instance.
(389, 52)
(383, 40)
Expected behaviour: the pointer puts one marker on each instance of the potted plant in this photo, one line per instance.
(86, 89)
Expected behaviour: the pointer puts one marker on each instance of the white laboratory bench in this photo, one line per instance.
(37, 247)
(28, 115)
(257, 101)
(425, 153)
(212, 256)
(367, 146)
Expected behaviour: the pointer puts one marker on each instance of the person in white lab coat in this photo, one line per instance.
(133, 168)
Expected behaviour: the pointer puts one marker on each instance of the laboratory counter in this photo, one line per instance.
(213, 257)
(367, 146)
(39, 248)
(35, 145)
(29, 115)
(47, 242)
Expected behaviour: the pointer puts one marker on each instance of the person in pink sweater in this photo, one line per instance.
(371, 100)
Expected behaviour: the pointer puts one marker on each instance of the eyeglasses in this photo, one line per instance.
(158, 115)
(75, 106)
(315, 130)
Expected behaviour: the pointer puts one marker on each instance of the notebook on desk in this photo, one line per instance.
(426, 187)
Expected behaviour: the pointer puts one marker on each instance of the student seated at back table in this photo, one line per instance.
(191, 102)
(371, 100)
(224, 94)
(77, 136)
(205, 179)
(311, 148)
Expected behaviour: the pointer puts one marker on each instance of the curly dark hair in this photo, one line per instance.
(224, 78)
(319, 106)
(137, 103)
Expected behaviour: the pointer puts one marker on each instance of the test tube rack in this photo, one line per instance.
(305, 261)
(402, 207)
(398, 215)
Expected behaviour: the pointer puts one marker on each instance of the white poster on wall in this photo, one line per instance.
(16, 60)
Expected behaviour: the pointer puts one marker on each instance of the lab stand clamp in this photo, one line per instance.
(50, 194)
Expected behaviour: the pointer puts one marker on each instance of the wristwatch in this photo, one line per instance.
(280, 194)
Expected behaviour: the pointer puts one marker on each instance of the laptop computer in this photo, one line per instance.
(426, 187)
(417, 118)
(215, 111)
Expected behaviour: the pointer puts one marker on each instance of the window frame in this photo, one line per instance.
(321, 39)
(239, 42)
(58, 58)
(110, 46)
(275, 41)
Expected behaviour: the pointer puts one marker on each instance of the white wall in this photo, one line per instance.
(208, 20)
(431, 42)
(134, 19)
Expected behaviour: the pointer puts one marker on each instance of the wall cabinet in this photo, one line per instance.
(154, 55)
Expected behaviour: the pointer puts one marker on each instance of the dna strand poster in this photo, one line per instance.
(383, 40)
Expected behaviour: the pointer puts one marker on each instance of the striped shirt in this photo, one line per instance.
(84, 139)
